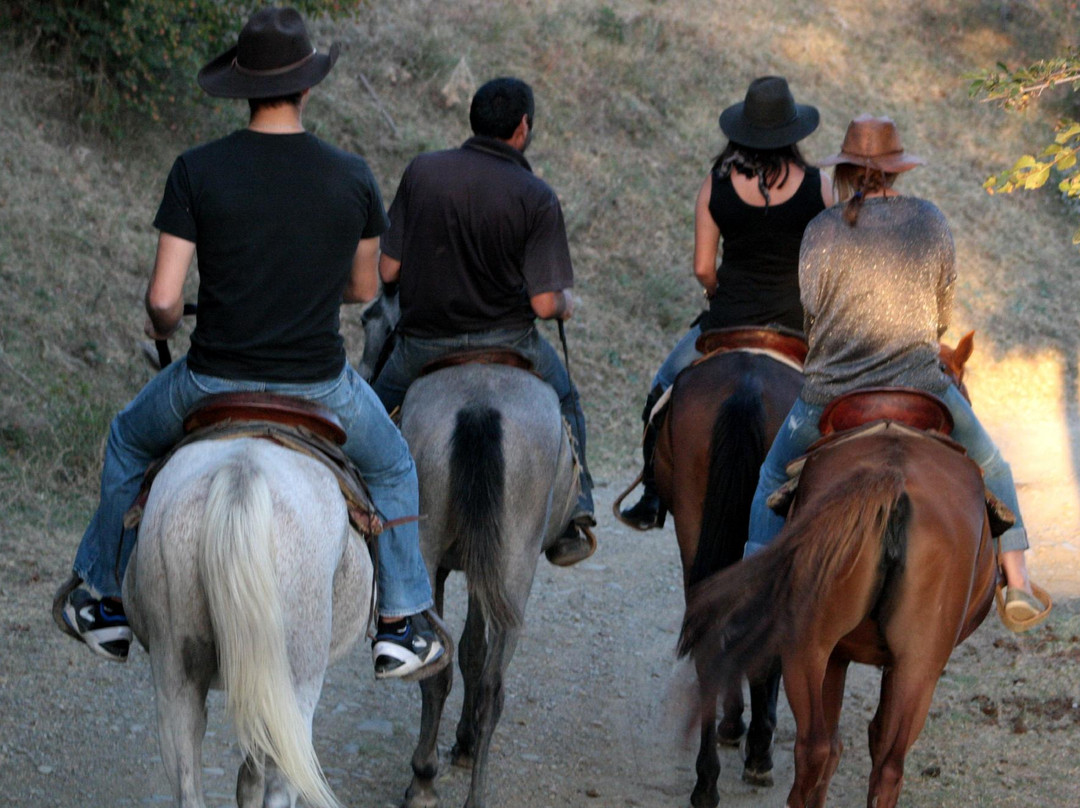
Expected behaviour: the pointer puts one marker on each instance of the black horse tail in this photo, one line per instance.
(737, 451)
(477, 486)
(739, 620)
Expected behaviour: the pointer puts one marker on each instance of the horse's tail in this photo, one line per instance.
(237, 568)
(741, 618)
(476, 494)
(737, 451)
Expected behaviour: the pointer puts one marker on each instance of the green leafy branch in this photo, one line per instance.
(1013, 90)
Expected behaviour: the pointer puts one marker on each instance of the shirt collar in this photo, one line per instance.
(497, 148)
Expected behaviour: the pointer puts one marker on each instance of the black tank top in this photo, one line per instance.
(758, 278)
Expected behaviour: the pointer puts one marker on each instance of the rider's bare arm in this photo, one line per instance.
(165, 292)
(706, 240)
(363, 283)
(389, 269)
(553, 305)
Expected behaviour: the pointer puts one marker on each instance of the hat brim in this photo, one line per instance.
(738, 129)
(221, 79)
(891, 163)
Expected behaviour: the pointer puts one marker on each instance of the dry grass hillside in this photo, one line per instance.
(628, 94)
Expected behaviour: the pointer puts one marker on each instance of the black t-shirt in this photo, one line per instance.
(758, 278)
(477, 234)
(276, 220)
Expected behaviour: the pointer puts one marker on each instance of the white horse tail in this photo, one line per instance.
(237, 561)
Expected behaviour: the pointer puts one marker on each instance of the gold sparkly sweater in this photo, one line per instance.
(877, 297)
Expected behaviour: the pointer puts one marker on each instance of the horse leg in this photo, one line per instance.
(251, 783)
(705, 793)
(803, 680)
(833, 702)
(472, 651)
(421, 792)
(907, 690)
(731, 727)
(764, 691)
(490, 699)
(180, 696)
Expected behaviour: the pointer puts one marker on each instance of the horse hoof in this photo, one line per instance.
(758, 777)
(706, 798)
(730, 733)
(462, 760)
(420, 798)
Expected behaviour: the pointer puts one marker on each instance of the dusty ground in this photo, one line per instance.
(592, 717)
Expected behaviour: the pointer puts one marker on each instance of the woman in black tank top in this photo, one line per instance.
(757, 200)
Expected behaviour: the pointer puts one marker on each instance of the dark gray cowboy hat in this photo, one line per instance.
(874, 143)
(768, 118)
(273, 56)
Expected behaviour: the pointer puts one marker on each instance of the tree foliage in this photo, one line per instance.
(1014, 90)
(137, 56)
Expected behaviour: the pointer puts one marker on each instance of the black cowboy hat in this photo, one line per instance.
(273, 56)
(768, 118)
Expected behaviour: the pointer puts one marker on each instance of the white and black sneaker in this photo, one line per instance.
(101, 624)
(403, 648)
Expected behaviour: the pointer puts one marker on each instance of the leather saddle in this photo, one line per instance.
(291, 422)
(782, 341)
(876, 409)
(493, 355)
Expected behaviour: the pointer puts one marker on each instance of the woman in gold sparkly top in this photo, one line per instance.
(876, 275)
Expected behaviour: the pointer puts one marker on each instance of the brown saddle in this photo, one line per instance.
(915, 408)
(784, 342)
(273, 407)
(494, 355)
(294, 423)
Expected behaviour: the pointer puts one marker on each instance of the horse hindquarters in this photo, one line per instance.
(226, 528)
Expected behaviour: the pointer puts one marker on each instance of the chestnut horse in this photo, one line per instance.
(886, 559)
(724, 413)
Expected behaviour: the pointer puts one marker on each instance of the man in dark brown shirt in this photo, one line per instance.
(478, 245)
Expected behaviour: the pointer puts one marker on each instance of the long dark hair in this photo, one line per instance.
(854, 182)
(770, 166)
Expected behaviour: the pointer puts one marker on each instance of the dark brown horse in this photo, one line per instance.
(886, 559)
(722, 418)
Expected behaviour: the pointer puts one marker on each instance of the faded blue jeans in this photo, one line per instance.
(147, 427)
(410, 354)
(680, 358)
(800, 429)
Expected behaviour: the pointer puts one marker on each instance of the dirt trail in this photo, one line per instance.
(592, 714)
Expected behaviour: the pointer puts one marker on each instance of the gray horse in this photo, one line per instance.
(247, 576)
(497, 486)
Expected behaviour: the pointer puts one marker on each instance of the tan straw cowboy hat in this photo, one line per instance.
(874, 143)
(273, 56)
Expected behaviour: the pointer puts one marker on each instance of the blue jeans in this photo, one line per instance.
(410, 354)
(681, 356)
(148, 427)
(800, 429)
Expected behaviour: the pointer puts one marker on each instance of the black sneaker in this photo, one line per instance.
(101, 624)
(403, 649)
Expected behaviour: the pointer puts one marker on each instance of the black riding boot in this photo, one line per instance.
(646, 513)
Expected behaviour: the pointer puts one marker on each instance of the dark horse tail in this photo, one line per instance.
(477, 486)
(737, 451)
(740, 619)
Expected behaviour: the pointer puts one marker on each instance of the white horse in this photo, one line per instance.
(247, 576)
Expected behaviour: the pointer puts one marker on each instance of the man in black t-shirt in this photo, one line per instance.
(286, 228)
(478, 246)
